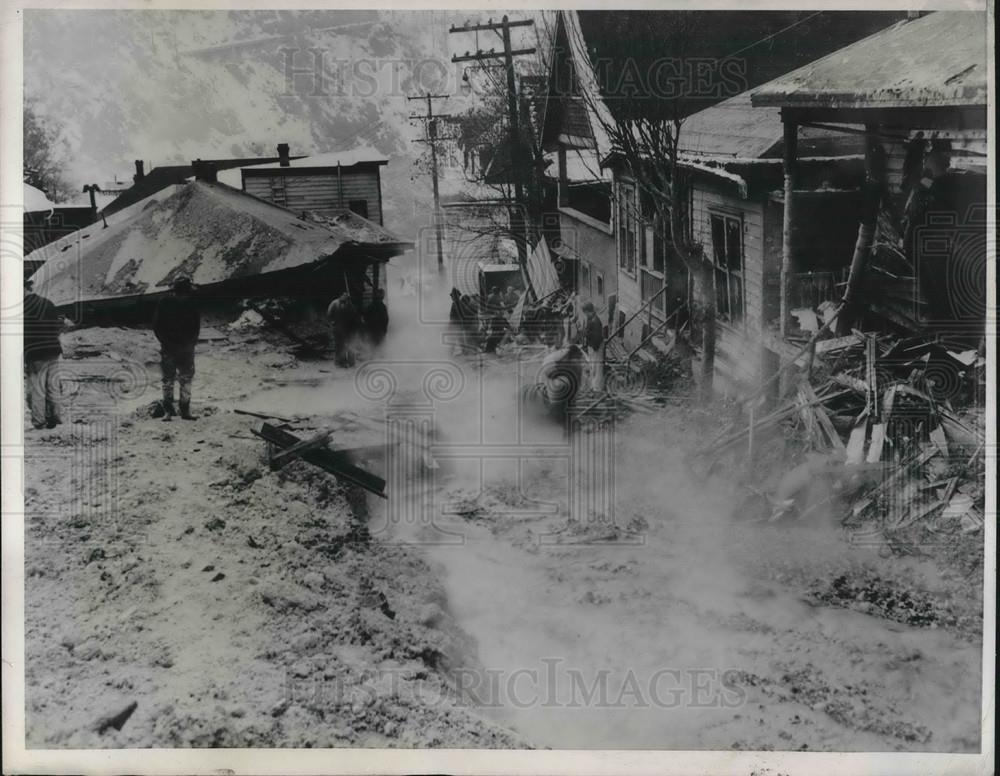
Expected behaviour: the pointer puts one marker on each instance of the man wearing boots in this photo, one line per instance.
(176, 323)
(42, 350)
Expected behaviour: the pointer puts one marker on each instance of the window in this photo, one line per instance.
(727, 253)
(627, 225)
(359, 206)
(591, 199)
(600, 285)
(661, 242)
(584, 278)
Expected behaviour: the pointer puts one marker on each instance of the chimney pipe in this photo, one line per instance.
(283, 159)
(140, 173)
(204, 171)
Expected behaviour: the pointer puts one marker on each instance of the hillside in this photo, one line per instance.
(170, 86)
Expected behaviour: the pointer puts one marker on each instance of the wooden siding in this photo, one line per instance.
(596, 249)
(319, 192)
(707, 201)
(972, 141)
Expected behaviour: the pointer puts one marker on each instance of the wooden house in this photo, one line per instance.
(323, 183)
(919, 90)
(732, 149)
(733, 154)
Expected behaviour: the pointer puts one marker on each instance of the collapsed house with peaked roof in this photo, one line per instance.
(233, 245)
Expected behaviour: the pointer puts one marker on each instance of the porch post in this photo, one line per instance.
(790, 164)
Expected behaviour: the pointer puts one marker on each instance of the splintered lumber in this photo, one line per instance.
(854, 383)
(762, 388)
(822, 418)
(855, 450)
(775, 417)
(837, 344)
(939, 440)
(957, 431)
(316, 441)
(333, 461)
(870, 377)
(876, 444)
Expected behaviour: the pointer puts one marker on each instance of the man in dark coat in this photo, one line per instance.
(343, 316)
(377, 317)
(176, 324)
(42, 351)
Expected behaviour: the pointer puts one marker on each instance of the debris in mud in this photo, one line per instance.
(870, 594)
(857, 707)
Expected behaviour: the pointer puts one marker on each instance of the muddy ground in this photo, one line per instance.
(168, 566)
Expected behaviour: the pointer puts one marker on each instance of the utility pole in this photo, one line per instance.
(431, 138)
(518, 223)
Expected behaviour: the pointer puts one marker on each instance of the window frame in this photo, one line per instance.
(627, 195)
(725, 269)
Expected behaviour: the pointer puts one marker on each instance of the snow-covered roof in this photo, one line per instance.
(210, 232)
(35, 200)
(936, 60)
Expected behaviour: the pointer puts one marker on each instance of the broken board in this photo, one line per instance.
(335, 462)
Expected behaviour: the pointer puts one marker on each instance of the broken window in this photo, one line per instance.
(628, 217)
(359, 206)
(727, 254)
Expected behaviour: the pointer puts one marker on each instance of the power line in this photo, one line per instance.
(431, 138)
(774, 34)
(502, 28)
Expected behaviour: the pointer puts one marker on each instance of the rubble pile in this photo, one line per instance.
(893, 426)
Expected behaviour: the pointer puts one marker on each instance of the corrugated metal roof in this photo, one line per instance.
(210, 232)
(936, 60)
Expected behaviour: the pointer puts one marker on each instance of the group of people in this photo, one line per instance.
(176, 325)
(348, 324)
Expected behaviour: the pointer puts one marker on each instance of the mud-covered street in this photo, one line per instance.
(169, 567)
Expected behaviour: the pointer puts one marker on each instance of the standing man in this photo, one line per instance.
(510, 298)
(176, 324)
(377, 317)
(593, 338)
(42, 351)
(344, 317)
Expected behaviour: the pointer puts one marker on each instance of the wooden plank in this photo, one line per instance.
(823, 419)
(263, 415)
(836, 344)
(876, 444)
(939, 440)
(332, 461)
(856, 443)
(317, 440)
